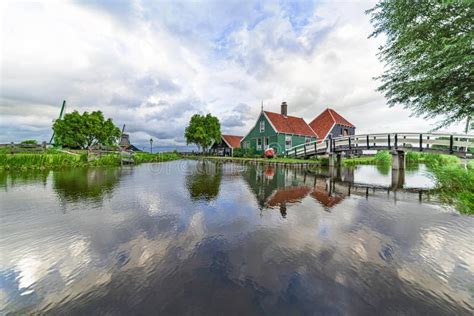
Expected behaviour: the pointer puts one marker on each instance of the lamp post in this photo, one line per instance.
(151, 145)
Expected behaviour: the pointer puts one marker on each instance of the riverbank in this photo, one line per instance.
(316, 161)
(55, 159)
(454, 182)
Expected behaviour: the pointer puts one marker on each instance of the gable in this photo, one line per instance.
(255, 130)
(325, 122)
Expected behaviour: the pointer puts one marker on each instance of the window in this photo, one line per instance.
(345, 132)
(259, 143)
(267, 140)
(307, 140)
(287, 142)
(246, 145)
(262, 126)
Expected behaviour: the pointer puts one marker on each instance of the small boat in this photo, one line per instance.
(269, 153)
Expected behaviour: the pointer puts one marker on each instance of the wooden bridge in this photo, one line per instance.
(398, 143)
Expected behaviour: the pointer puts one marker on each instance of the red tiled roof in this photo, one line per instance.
(232, 140)
(323, 123)
(289, 124)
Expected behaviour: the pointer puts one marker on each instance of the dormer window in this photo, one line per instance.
(262, 126)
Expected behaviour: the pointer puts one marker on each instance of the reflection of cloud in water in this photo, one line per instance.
(225, 256)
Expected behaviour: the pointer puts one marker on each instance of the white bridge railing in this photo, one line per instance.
(454, 144)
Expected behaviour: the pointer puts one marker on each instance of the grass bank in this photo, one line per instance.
(454, 183)
(381, 158)
(58, 160)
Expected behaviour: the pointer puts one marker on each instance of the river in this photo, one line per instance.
(201, 238)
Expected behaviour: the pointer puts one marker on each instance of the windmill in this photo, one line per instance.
(60, 117)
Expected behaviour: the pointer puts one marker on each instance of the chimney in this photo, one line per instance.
(284, 109)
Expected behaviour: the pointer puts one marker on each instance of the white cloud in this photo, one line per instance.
(152, 65)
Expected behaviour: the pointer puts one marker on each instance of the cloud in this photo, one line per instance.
(151, 65)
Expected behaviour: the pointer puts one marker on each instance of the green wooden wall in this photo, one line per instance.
(276, 140)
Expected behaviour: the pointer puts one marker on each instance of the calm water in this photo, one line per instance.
(187, 238)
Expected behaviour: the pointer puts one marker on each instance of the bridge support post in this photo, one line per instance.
(398, 179)
(331, 160)
(335, 160)
(398, 160)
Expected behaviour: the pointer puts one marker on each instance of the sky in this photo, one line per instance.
(153, 64)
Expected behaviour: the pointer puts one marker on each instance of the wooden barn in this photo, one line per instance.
(227, 145)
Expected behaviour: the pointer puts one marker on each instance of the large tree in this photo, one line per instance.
(428, 56)
(86, 130)
(203, 130)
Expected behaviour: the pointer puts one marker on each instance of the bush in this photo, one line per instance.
(383, 157)
(29, 142)
(238, 152)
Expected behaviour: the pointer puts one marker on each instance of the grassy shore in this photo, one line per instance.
(57, 160)
(381, 158)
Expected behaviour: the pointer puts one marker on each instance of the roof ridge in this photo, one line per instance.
(330, 113)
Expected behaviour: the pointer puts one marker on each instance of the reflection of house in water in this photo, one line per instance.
(282, 197)
(281, 187)
(324, 194)
(265, 181)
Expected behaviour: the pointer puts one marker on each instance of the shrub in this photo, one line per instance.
(238, 152)
(383, 157)
(29, 142)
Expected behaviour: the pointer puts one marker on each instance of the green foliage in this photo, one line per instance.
(456, 186)
(428, 56)
(431, 159)
(29, 142)
(159, 157)
(414, 157)
(382, 157)
(203, 131)
(86, 130)
(58, 160)
(249, 152)
(238, 152)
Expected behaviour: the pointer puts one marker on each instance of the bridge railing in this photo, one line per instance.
(434, 142)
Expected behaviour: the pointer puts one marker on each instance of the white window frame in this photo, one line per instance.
(266, 142)
(307, 140)
(259, 146)
(262, 126)
(288, 146)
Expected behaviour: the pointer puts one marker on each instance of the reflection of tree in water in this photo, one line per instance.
(204, 181)
(384, 168)
(85, 183)
(11, 179)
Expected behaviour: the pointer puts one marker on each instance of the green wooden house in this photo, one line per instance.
(278, 131)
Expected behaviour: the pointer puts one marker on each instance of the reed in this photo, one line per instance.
(382, 157)
(58, 160)
(455, 185)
